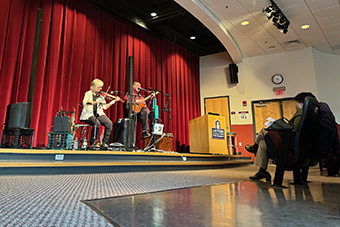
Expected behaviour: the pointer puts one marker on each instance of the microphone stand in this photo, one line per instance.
(167, 109)
(133, 117)
(156, 120)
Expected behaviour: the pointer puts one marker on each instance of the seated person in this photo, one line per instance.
(141, 108)
(328, 141)
(93, 113)
(260, 147)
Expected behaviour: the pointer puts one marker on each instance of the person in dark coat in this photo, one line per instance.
(328, 141)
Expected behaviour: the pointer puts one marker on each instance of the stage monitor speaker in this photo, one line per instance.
(121, 131)
(62, 124)
(233, 71)
(18, 115)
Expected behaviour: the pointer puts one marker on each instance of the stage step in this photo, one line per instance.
(38, 159)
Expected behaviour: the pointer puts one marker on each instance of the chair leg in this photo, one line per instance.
(81, 135)
(300, 175)
(304, 173)
(282, 158)
(280, 168)
(297, 176)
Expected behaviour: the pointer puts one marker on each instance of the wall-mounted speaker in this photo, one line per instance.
(18, 115)
(233, 71)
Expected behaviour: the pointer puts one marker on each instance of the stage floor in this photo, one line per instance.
(27, 160)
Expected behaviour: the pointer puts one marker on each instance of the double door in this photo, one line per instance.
(271, 108)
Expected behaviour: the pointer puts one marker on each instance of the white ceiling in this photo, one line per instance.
(260, 36)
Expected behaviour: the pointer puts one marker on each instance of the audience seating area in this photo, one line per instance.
(295, 151)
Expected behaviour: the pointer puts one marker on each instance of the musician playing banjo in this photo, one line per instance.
(141, 107)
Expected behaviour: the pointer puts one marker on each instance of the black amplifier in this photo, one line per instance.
(62, 124)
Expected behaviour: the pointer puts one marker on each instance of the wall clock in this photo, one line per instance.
(277, 78)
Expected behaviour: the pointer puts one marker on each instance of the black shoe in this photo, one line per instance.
(261, 175)
(92, 147)
(146, 134)
(251, 149)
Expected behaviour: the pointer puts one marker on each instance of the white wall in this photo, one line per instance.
(327, 70)
(255, 74)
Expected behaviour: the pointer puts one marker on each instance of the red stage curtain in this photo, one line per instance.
(79, 43)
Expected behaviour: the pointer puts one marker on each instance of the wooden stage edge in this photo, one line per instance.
(23, 161)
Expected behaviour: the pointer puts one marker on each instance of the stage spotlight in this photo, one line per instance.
(276, 14)
(279, 19)
(282, 20)
(268, 10)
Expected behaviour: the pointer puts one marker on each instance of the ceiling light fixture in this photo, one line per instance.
(192, 36)
(153, 14)
(304, 27)
(244, 23)
(278, 18)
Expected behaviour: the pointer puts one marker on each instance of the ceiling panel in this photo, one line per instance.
(326, 12)
(329, 21)
(317, 5)
(334, 28)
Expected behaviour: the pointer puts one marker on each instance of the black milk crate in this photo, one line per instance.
(60, 140)
(17, 138)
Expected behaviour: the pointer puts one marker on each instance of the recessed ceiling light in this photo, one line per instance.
(244, 23)
(153, 14)
(304, 27)
(192, 37)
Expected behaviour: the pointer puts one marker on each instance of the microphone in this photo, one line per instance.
(140, 88)
(154, 90)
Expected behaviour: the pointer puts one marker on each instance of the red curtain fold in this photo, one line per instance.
(79, 43)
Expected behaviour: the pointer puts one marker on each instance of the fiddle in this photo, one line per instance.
(107, 96)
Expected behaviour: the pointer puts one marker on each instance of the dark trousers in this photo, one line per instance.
(143, 117)
(100, 120)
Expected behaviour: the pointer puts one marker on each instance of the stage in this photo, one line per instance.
(47, 161)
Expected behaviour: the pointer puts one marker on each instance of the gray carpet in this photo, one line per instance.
(55, 200)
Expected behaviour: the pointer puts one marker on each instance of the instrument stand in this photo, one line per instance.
(153, 147)
(167, 109)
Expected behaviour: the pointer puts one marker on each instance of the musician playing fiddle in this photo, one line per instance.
(141, 107)
(93, 113)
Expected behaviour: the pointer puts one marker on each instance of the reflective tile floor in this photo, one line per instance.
(246, 203)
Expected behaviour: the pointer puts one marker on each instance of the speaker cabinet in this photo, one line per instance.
(18, 115)
(62, 124)
(121, 131)
(233, 71)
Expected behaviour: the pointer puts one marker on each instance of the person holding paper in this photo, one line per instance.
(259, 148)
